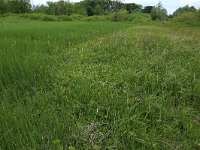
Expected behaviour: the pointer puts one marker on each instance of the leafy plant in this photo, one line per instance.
(159, 13)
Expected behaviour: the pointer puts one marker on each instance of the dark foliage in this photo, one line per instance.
(15, 6)
(147, 9)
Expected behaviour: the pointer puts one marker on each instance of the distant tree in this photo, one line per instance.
(184, 9)
(99, 7)
(147, 9)
(18, 6)
(198, 13)
(98, 10)
(90, 6)
(187, 14)
(59, 8)
(170, 16)
(2, 7)
(159, 13)
(79, 8)
(188, 18)
(51, 8)
(64, 7)
(130, 7)
(116, 5)
(39, 9)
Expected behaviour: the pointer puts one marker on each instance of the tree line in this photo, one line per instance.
(15, 6)
(97, 7)
(85, 7)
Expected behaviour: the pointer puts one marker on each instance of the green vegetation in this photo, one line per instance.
(187, 15)
(99, 85)
(99, 75)
(98, 10)
(85, 7)
(119, 16)
(159, 13)
(15, 6)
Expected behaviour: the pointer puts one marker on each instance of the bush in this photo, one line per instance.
(64, 18)
(31, 16)
(121, 15)
(76, 17)
(159, 13)
(45, 17)
(184, 9)
(49, 18)
(139, 17)
(190, 18)
(96, 18)
(8, 14)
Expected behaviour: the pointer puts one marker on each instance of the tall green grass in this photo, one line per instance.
(98, 85)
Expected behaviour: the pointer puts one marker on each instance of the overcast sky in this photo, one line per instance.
(170, 5)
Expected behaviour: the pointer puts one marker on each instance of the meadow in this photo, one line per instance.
(98, 85)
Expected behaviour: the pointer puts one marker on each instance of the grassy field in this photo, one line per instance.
(98, 85)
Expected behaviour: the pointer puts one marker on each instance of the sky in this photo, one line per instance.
(170, 5)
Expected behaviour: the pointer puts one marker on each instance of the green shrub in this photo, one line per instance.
(139, 17)
(190, 18)
(90, 18)
(121, 15)
(97, 18)
(32, 16)
(76, 17)
(64, 18)
(184, 9)
(49, 18)
(8, 14)
(45, 17)
(159, 13)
